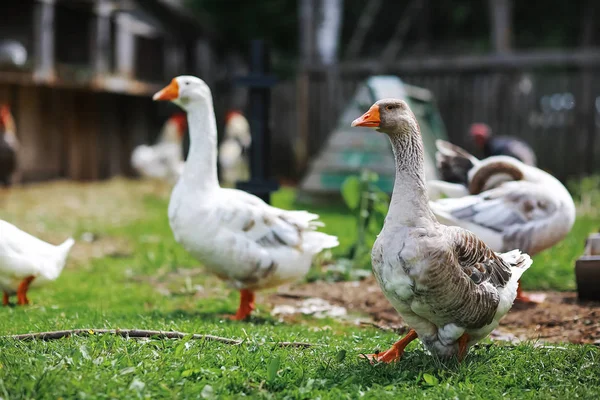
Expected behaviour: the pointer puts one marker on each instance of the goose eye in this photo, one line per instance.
(389, 108)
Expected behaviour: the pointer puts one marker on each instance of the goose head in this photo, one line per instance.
(480, 133)
(390, 116)
(7, 122)
(184, 91)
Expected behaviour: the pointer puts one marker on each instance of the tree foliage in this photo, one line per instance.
(446, 26)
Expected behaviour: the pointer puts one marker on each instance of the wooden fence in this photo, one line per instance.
(78, 134)
(551, 100)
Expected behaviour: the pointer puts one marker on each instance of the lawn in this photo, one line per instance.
(126, 271)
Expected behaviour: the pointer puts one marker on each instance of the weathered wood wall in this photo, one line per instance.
(556, 109)
(78, 134)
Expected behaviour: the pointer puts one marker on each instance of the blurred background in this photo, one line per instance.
(78, 75)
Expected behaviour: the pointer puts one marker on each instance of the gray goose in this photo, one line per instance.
(447, 284)
(504, 202)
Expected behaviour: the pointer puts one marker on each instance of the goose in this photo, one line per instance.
(233, 151)
(9, 145)
(26, 261)
(501, 145)
(237, 236)
(505, 202)
(164, 159)
(445, 282)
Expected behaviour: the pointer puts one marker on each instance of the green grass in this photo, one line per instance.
(112, 283)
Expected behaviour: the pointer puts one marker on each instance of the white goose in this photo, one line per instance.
(236, 235)
(233, 151)
(162, 160)
(26, 261)
(449, 287)
(503, 201)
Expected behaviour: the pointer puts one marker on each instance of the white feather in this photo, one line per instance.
(23, 255)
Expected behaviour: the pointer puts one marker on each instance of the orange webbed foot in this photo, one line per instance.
(22, 299)
(532, 298)
(395, 352)
(246, 306)
(462, 346)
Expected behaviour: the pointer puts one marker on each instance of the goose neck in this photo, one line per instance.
(201, 164)
(410, 202)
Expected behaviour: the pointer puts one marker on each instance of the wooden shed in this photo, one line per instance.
(81, 95)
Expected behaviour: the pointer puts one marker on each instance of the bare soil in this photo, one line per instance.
(561, 318)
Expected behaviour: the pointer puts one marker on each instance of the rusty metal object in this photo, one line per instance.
(587, 270)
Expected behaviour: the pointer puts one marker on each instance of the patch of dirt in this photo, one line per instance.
(561, 318)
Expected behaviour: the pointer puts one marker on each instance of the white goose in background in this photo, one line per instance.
(26, 261)
(237, 236)
(503, 201)
(448, 286)
(233, 151)
(164, 159)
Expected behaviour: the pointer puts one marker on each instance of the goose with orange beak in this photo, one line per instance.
(237, 236)
(164, 159)
(370, 119)
(446, 283)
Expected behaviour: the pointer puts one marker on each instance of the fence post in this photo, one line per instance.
(44, 22)
(260, 84)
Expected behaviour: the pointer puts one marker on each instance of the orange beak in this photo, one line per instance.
(171, 92)
(370, 119)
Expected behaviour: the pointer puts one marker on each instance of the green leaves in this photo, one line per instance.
(370, 205)
(341, 355)
(273, 368)
(430, 380)
(351, 192)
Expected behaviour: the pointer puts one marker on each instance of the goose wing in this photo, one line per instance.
(519, 214)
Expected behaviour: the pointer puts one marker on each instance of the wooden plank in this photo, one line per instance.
(88, 121)
(303, 115)
(501, 25)
(307, 31)
(82, 138)
(5, 94)
(174, 58)
(44, 58)
(101, 44)
(27, 123)
(126, 49)
(108, 136)
(49, 137)
(118, 129)
(71, 143)
(365, 21)
(393, 47)
(39, 153)
(204, 61)
(111, 84)
(464, 63)
(136, 129)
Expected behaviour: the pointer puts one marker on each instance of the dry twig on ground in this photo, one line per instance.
(138, 334)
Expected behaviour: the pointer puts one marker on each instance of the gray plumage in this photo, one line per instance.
(444, 281)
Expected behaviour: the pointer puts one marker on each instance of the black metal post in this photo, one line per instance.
(260, 82)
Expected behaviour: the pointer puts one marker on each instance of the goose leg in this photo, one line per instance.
(395, 352)
(462, 346)
(5, 301)
(246, 305)
(524, 298)
(22, 291)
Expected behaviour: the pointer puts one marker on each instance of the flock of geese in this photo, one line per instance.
(448, 258)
